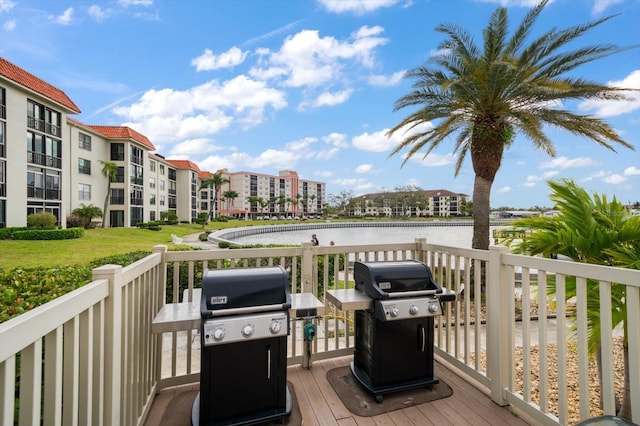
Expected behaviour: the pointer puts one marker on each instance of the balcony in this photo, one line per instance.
(90, 357)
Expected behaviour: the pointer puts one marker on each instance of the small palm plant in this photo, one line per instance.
(588, 230)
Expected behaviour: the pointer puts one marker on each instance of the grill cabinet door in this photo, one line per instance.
(243, 380)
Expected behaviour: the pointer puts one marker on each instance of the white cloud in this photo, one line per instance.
(605, 108)
(327, 99)
(614, 179)
(600, 5)
(356, 184)
(374, 142)
(306, 59)
(358, 7)
(364, 168)
(567, 163)
(6, 5)
(208, 61)
(98, 13)
(504, 189)
(127, 3)
(64, 19)
(631, 171)
(338, 140)
(193, 147)
(10, 25)
(433, 159)
(533, 180)
(386, 80)
(162, 115)
(324, 174)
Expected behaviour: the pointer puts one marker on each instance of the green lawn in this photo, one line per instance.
(95, 243)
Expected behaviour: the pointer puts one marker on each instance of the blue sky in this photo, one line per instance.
(309, 85)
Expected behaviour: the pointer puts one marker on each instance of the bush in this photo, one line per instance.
(7, 233)
(204, 236)
(42, 220)
(73, 221)
(48, 234)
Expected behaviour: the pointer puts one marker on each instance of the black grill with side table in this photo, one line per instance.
(394, 337)
(244, 332)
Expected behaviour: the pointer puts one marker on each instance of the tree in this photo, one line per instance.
(229, 195)
(341, 200)
(594, 231)
(485, 95)
(86, 214)
(215, 182)
(110, 171)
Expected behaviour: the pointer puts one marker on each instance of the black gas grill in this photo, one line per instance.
(394, 339)
(245, 324)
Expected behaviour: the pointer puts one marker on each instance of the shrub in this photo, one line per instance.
(41, 220)
(48, 234)
(204, 236)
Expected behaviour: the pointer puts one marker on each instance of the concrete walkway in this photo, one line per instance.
(194, 241)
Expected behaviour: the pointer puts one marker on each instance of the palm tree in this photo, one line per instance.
(594, 231)
(229, 195)
(110, 171)
(86, 214)
(215, 182)
(485, 95)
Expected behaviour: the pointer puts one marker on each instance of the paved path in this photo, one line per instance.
(194, 241)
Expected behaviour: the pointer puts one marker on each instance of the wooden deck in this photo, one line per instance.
(319, 404)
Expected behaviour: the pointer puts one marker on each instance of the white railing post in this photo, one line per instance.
(112, 342)
(497, 325)
(308, 284)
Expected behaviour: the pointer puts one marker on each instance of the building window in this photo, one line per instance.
(152, 165)
(162, 169)
(152, 183)
(3, 174)
(152, 199)
(135, 174)
(35, 149)
(84, 166)
(3, 103)
(137, 155)
(84, 191)
(3, 132)
(117, 196)
(84, 141)
(136, 196)
(35, 115)
(162, 200)
(161, 185)
(52, 122)
(119, 175)
(152, 215)
(117, 152)
(137, 215)
(116, 218)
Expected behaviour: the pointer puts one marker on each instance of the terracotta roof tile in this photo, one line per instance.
(123, 132)
(185, 164)
(16, 74)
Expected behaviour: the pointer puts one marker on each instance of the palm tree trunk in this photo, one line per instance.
(481, 207)
(106, 204)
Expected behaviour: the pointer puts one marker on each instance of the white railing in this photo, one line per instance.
(89, 357)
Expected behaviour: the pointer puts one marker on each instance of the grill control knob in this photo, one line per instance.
(247, 330)
(394, 312)
(414, 310)
(433, 308)
(275, 327)
(218, 334)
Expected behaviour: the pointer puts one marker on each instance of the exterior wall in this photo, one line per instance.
(16, 196)
(286, 184)
(99, 151)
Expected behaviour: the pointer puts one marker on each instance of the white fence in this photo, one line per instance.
(89, 357)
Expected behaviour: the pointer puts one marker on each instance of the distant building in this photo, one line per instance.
(60, 167)
(425, 203)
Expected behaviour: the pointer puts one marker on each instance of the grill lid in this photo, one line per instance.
(242, 290)
(382, 280)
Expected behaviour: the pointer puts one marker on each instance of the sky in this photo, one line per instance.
(310, 85)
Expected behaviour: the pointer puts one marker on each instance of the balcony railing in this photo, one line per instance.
(89, 357)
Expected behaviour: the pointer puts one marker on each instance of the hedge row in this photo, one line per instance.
(40, 234)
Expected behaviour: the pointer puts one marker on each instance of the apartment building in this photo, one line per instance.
(62, 167)
(268, 195)
(427, 203)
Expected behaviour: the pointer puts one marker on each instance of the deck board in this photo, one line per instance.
(320, 405)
